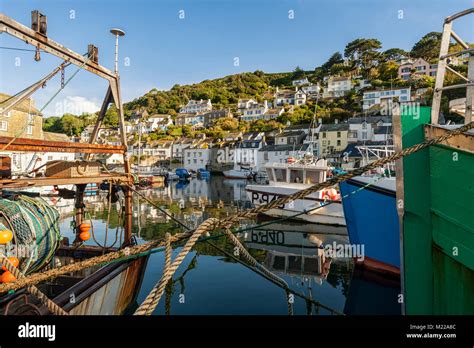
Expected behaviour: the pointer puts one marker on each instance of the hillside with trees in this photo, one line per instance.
(362, 57)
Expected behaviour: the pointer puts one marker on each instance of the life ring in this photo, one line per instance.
(330, 194)
(290, 160)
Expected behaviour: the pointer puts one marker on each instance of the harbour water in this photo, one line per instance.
(209, 282)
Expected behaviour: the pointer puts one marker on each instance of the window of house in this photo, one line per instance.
(29, 129)
(338, 143)
(50, 158)
(364, 135)
(8, 114)
(338, 134)
(3, 125)
(324, 134)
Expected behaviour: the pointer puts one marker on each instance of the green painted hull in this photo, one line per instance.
(438, 224)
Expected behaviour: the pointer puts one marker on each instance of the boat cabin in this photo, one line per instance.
(297, 173)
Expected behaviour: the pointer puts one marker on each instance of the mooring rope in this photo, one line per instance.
(52, 307)
(212, 223)
(151, 301)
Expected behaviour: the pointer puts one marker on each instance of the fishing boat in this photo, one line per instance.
(30, 223)
(241, 173)
(183, 173)
(369, 204)
(288, 178)
(203, 173)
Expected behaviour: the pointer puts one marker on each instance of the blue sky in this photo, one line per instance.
(164, 50)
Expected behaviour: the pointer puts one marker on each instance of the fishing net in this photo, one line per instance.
(35, 230)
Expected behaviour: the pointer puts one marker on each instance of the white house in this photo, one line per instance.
(300, 82)
(246, 152)
(254, 111)
(363, 128)
(159, 149)
(291, 97)
(161, 122)
(290, 137)
(385, 98)
(300, 97)
(311, 90)
(197, 157)
(245, 103)
(197, 106)
(337, 87)
(178, 147)
(279, 153)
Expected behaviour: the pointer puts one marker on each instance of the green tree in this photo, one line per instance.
(298, 73)
(336, 58)
(388, 71)
(363, 52)
(428, 46)
(111, 117)
(395, 53)
(52, 124)
(71, 125)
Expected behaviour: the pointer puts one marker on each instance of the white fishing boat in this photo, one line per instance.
(288, 178)
(241, 173)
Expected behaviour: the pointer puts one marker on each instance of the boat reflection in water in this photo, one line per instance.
(296, 253)
(292, 251)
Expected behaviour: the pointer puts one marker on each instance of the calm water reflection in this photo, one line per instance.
(208, 282)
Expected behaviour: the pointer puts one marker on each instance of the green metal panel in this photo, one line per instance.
(417, 240)
(438, 225)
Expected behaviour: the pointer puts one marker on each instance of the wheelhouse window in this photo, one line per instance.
(296, 176)
(280, 174)
(312, 177)
(270, 174)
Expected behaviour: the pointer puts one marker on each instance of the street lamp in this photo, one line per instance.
(117, 32)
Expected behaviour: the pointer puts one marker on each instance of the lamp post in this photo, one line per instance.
(117, 32)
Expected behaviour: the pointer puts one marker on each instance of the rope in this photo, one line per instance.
(153, 298)
(251, 260)
(52, 307)
(213, 223)
(168, 252)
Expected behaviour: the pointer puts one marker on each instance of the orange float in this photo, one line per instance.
(13, 260)
(84, 235)
(84, 227)
(5, 236)
(7, 277)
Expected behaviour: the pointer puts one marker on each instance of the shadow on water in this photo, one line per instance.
(209, 282)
